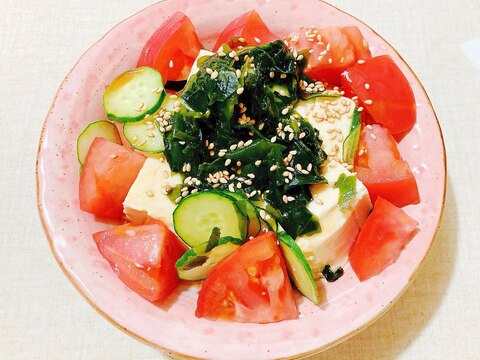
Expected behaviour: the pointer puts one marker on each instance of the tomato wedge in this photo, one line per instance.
(330, 51)
(143, 256)
(107, 175)
(247, 29)
(384, 92)
(251, 285)
(380, 168)
(385, 233)
(172, 48)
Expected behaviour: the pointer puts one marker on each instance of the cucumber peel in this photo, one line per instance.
(102, 129)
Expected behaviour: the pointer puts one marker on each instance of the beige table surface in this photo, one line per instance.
(43, 317)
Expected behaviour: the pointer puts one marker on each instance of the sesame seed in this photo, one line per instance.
(223, 180)
(300, 57)
(188, 167)
(368, 102)
(287, 180)
(361, 62)
(290, 198)
(302, 135)
(228, 162)
(215, 186)
(289, 168)
(273, 139)
(258, 162)
(369, 127)
(261, 126)
(257, 40)
(238, 73)
(214, 74)
(290, 137)
(373, 136)
(299, 167)
(241, 39)
(274, 167)
(360, 109)
(231, 188)
(283, 76)
(272, 74)
(113, 156)
(239, 163)
(309, 167)
(285, 111)
(285, 199)
(248, 182)
(367, 86)
(142, 143)
(178, 199)
(330, 60)
(240, 144)
(209, 71)
(170, 64)
(253, 193)
(185, 193)
(233, 147)
(194, 191)
(239, 185)
(304, 172)
(240, 90)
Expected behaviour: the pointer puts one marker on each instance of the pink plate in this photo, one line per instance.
(349, 306)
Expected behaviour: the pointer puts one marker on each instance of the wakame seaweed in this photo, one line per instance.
(238, 131)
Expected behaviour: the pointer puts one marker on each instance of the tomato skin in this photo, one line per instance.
(385, 233)
(251, 285)
(248, 26)
(392, 99)
(175, 40)
(333, 50)
(381, 169)
(107, 175)
(143, 257)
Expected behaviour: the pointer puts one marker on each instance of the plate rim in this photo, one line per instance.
(171, 352)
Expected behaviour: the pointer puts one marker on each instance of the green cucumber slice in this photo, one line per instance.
(298, 268)
(350, 144)
(103, 129)
(197, 214)
(134, 94)
(197, 267)
(144, 135)
(246, 206)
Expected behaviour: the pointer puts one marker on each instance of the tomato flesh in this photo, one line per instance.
(384, 92)
(143, 256)
(172, 48)
(251, 285)
(331, 51)
(107, 175)
(249, 27)
(381, 169)
(381, 240)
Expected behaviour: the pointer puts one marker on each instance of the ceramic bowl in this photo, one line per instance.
(349, 306)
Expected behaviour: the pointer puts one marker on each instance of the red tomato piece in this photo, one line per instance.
(385, 233)
(143, 256)
(249, 28)
(172, 49)
(381, 169)
(107, 175)
(384, 92)
(332, 50)
(251, 285)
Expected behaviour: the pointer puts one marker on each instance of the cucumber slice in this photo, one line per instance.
(134, 94)
(197, 214)
(245, 205)
(197, 267)
(169, 102)
(298, 268)
(103, 129)
(350, 144)
(144, 135)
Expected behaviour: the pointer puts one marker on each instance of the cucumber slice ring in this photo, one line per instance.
(197, 214)
(103, 129)
(144, 135)
(298, 268)
(134, 94)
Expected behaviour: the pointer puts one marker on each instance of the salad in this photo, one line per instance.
(264, 165)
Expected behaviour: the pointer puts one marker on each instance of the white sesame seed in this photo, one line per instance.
(241, 39)
(290, 198)
(188, 167)
(330, 60)
(309, 167)
(302, 135)
(360, 109)
(300, 57)
(368, 102)
(194, 191)
(113, 156)
(304, 172)
(258, 162)
(274, 167)
(285, 111)
(228, 162)
(233, 147)
(361, 62)
(291, 136)
(248, 182)
(185, 193)
(239, 163)
(210, 146)
(273, 139)
(272, 74)
(223, 180)
(231, 188)
(214, 74)
(369, 127)
(240, 90)
(283, 76)
(170, 64)
(285, 199)
(373, 136)
(239, 185)
(238, 73)
(299, 167)
(178, 199)
(209, 71)
(257, 40)
(367, 86)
